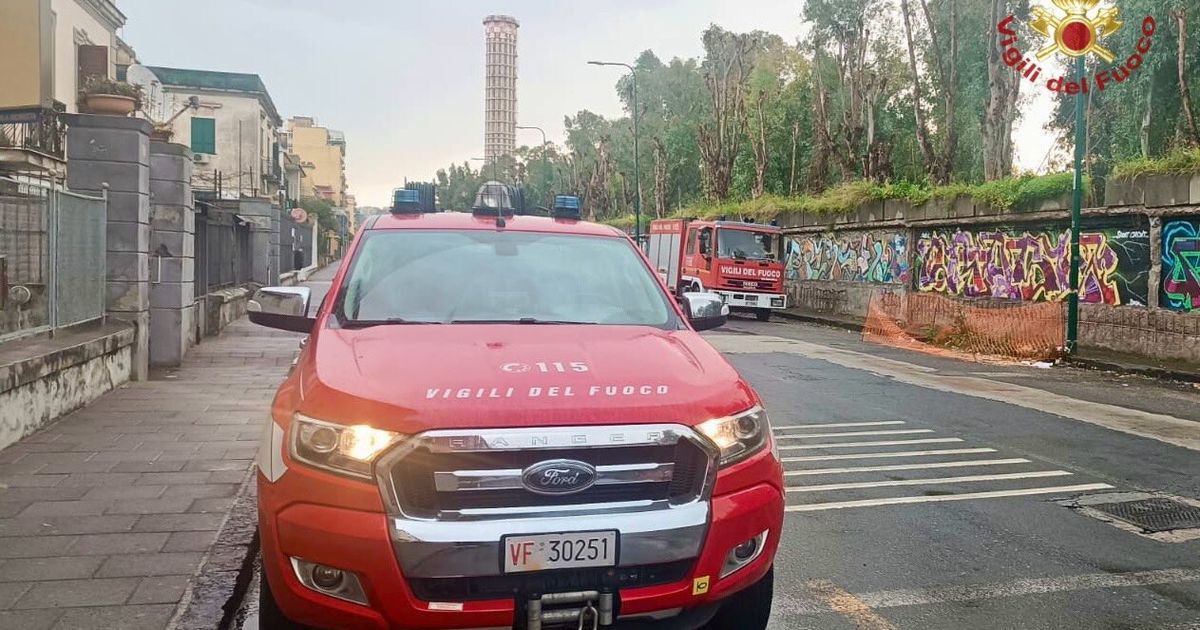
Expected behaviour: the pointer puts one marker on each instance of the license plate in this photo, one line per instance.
(573, 550)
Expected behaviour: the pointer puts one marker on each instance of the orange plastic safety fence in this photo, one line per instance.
(943, 325)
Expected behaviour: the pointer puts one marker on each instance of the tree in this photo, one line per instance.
(1004, 84)
(944, 68)
(727, 61)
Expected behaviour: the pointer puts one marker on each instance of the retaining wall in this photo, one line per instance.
(1139, 260)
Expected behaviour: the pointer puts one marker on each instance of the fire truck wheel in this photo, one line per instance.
(763, 314)
(749, 609)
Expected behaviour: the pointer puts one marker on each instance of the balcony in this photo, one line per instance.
(33, 140)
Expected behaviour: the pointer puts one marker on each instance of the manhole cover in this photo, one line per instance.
(1153, 515)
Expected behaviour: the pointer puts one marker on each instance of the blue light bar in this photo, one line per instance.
(404, 195)
(566, 202)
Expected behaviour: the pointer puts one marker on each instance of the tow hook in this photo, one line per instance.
(547, 610)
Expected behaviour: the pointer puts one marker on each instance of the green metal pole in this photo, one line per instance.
(1076, 212)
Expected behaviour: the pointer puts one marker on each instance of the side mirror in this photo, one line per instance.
(285, 308)
(705, 310)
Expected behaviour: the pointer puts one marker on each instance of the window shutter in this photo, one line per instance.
(93, 62)
(204, 135)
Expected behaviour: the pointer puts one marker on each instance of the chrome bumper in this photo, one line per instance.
(650, 533)
(745, 299)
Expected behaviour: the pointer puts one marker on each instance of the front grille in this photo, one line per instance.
(679, 474)
(507, 586)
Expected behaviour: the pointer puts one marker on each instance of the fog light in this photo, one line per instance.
(330, 581)
(327, 578)
(746, 550)
(744, 554)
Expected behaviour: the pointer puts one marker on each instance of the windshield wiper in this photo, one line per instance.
(391, 321)
(522, 320)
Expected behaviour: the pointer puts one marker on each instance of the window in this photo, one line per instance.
(204, 135)
(744, 245)
(691, 241)
(494, 276)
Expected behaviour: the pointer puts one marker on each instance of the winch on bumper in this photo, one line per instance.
(436, 559)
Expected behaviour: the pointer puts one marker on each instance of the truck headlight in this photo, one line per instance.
(348, 450)
(738, 436)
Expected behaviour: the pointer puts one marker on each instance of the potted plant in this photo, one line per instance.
(102, 95)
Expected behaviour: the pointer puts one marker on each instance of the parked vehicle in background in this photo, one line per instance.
(733, 259)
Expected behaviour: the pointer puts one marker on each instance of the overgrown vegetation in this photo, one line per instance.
(1177, 162)
(908, 96)
(1010, 194)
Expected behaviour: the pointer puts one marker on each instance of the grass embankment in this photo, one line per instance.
(1177, 162)
(1010, 194)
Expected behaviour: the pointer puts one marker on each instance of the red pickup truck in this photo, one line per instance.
(508, 422)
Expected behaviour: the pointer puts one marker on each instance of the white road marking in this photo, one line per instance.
(837, 505)
(891, 454)
(847, 605)
(839, 425)
(863, 469)
(788, 603)
(933, 481)
(1032, 586)
(803, 436)
(1155, 426)
(880, 443)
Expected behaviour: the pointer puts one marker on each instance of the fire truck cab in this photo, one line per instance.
(734, 259)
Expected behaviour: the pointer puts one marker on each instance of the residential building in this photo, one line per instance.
(48, 49)
(234, 133)
(351, 205)
(322, 153)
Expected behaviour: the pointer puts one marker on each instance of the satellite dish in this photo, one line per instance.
(153, 100)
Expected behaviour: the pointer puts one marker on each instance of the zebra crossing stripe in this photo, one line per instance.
(933, 481)
(863, 469)
(1023, 492)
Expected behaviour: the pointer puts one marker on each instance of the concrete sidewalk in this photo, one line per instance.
(106, 514)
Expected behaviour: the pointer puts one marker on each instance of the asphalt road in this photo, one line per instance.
(933, 493)
(929, 493)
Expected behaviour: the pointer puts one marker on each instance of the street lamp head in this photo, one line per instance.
(596, 63)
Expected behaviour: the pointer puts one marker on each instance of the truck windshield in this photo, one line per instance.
(743, 244)
(467, 276)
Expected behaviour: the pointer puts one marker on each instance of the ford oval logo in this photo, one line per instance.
(559, 476)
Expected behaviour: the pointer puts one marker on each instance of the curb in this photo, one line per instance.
(1080, 362)
(1152, 372)
(814, 319)
(216, 590)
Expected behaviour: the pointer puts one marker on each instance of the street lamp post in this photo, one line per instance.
(637, 176)
(485, 161)
(544, 143)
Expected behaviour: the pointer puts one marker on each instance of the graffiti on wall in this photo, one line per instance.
(856, 257)
(1181, 264)
(1034, 264)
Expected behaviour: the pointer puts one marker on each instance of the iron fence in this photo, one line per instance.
(41, 130)
(295, 244)
(52, 258)
(223, 252)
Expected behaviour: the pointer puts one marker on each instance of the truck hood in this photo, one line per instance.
(411, 378)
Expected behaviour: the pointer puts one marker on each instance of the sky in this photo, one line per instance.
(404, 79)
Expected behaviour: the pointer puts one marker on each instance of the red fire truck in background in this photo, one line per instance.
(733, 259)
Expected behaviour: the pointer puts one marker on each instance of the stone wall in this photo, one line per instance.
(44, 379)
(1139, 261)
